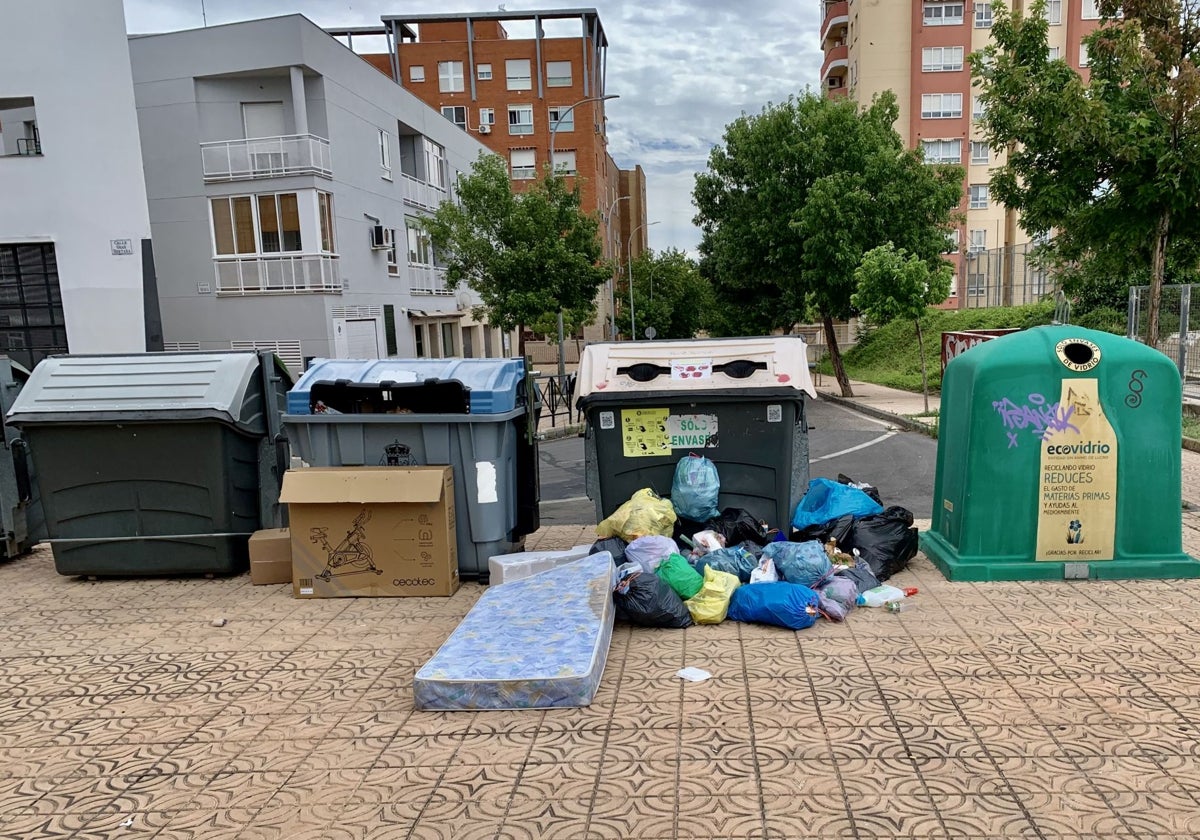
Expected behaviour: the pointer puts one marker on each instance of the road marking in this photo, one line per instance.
(859, 415)
(564, 501)
(871, 442)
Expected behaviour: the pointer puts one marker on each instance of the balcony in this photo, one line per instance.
(427, 280)
(834, 58)
(836, 20)
(266, 157)
(283, 275)
(417, 193)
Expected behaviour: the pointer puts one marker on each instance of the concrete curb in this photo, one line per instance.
(906, 423)
(1191, 444)
(559, 432)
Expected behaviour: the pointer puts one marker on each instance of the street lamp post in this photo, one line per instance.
(562, 364)
(629, 265)
(612, 283)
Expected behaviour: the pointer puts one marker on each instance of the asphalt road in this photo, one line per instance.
(901, 464)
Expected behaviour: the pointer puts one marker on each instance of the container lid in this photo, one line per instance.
(363, 485)
(143, 387)
(495, 384)
(700, 365)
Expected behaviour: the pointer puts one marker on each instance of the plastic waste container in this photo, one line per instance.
(20, 510)
(738, 401)
(156, 463)
(475, 415)
(1059, 457)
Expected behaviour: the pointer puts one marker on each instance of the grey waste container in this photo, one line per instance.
(738, 402)
(475, 415)
(156, 463)
(20, 511)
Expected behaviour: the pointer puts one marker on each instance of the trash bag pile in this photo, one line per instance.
(683, 560)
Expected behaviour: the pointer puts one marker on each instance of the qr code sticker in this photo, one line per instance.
(774, 414)
(607, 420)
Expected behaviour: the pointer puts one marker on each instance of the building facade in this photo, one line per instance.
(517, 96)
(286, 180)
(75, 258)
(918, 49)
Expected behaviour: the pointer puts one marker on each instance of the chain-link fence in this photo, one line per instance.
(1004, 277)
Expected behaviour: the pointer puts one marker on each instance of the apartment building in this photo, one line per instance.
(286, 180)
(518, 96)
(76, 268)
(918, 49)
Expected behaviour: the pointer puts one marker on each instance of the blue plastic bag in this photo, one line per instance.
(782, 604)
(827, 500)
(737, 561)
(695, 489)
(803, 563)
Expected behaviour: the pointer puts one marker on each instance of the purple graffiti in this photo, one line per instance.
(1040, 419)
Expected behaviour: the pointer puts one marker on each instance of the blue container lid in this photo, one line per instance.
(495, 384)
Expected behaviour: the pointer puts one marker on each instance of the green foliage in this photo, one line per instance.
(888, 355)
(1191, 427)
(526, 254)
(668, 294)
(893, 284)
(1103, 318)
(796, 195)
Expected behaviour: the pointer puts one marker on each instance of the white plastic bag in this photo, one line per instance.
(765, 573)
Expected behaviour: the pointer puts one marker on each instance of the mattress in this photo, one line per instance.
(536, 643)
(509, 567)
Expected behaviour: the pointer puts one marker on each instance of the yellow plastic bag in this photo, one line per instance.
(644, 515)
(711, 603)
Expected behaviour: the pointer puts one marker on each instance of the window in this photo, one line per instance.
(487, 116)
(450, 76)
(979, 197)
(977, 241)
(558, 74)
(520, 119)
(516, 71)
(31, 310)
(942, 151)
(385, 155)
(563, 118)
(435, 163)
(447, 339)
(941, 59)
(943, 14)
(980, 153)
(983, 15)
(1054, 11)
(483, 72)
(260, 224)
(233, 225)
(19, 127)
(951, 241)
(954, 286)
(457, 114)
(1054, 54)
(524, 164)
(941, 106)
(976, 284)
(416, 73)
(393, 267)
(279, 223)
(419, 250)
(978, 110)
(325, 206)
(564, 161)
(419, 338)
(1084, 58)
(1091, 10)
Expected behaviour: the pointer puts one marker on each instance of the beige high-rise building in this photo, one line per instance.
(918, 49)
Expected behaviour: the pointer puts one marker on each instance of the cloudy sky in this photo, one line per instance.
(683, 70)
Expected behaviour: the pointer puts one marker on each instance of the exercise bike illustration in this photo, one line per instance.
(352, 555)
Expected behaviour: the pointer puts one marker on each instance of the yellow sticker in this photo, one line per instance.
(644, 432)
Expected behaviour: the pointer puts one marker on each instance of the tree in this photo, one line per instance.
(1111, 166)
(668, 294)
(796, 195)
(527, 255)
(892, 284)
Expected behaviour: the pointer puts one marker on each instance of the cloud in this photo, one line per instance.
(684, 69)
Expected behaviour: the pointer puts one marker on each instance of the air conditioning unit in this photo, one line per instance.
(485, 128)
(381, 238)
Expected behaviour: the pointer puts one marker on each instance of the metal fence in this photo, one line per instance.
(1175, 336)
(558, 395)
(1004, 277)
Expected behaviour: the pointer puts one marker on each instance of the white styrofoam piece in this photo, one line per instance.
(504, 568)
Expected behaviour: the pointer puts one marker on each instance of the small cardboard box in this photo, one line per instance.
(270, 556)
(375, 531)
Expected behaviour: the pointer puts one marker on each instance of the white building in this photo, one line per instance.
(73, 217)
(285, 178)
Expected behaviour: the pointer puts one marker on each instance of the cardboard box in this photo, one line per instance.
(375, 531)
(270, 556)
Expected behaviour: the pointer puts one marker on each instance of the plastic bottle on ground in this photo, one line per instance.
(884, 594)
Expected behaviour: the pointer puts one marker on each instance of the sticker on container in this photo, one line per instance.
(607, 420)
(1077, 354)
(774, 414)
(948, 505)
(692, 431)
(689, 369)
(485, 483)
(644, 432)
(397, 454)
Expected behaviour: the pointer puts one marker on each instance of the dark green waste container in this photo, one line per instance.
(1059, 457)
(156, 463)
(738, 402)
(20, 511)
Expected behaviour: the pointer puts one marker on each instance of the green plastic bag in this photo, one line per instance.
(711, 603)
(678, 574)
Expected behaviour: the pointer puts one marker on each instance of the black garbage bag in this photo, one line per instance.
(643, 598)
(871, 491)
(739, 525)
(836, 529)
(614, 545)
(887, 541)
(861, 574)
